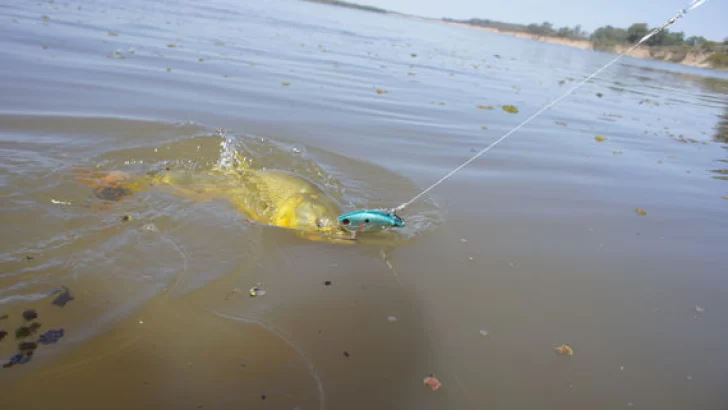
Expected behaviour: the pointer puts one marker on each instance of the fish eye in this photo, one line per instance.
(319, 223)
(366, 221)
(346, 221)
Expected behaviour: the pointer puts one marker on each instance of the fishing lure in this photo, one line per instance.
(369, 221)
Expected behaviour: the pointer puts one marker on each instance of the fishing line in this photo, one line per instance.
(693, 5)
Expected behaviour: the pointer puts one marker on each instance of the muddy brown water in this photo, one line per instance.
(535, 245)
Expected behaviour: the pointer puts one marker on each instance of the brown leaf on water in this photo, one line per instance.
(432, 382)
(380, 92)
(441, 103)
(563, 124)
(600, 138)
(725, 197)
(510, 109)
(640, 211)
(565, 350)
(285, 83)
(485, 107)
(200, 59)
(112, 34)
(171, 45)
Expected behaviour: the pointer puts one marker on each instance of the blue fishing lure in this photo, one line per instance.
(369, 221)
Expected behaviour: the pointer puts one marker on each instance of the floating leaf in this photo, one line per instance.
(510, 109)
(285, 84)
(30, 314)
(380, 92)
(483, 127)
(51, 336)
(600, 138)
(565, 350)
(63, 298)
(441, 103)
(413, 55)
(256, 291)
(25, 331)
(724, 197)
(169, 69)
(600, 95)
(112, 34)
(200, 59)
(485, 107)
(561, 123)
(411, 74)
(640, 211)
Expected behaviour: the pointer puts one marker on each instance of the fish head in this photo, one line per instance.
(311, 213)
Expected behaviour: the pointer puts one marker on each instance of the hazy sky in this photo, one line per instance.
(709, 20)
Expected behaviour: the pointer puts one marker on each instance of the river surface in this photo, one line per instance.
(537, 244)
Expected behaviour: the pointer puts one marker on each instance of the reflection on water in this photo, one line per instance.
(536, 245)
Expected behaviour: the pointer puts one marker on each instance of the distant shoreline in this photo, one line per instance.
(692, 57)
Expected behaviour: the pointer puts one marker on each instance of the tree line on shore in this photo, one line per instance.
(608, 37)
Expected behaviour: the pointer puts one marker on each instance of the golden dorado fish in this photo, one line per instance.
(270, 197)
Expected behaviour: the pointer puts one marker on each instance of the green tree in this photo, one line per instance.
(636, 31)
(695, 40)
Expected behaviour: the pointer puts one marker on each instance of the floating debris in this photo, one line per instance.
(30, 314)
(51, 336)
(169, 69)
(699, 309)
(562, 82)
(600, 95)
(285, 84)
(346, 354)
(483, 332)
(63, 298)
(327, 283)
(441, 103)
(483, 127)
(413, 55)
(392, 319)
(219, 43)
(25, 331)
(200, 59)
(485, 107)
(561, 123)
(27, 346)
(113, 34)
(640, 211)
(126, 218)
(725, 197)
(510, 109)
(171, 45)
(565, 350)
(600, 138)
(432, 382)
(150, 227)
(57, 202)
(411, 74)
(2, 335)
(380, 92)
(256, 291)
(18, 358)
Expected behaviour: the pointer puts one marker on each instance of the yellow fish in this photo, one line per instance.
(270, 197)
